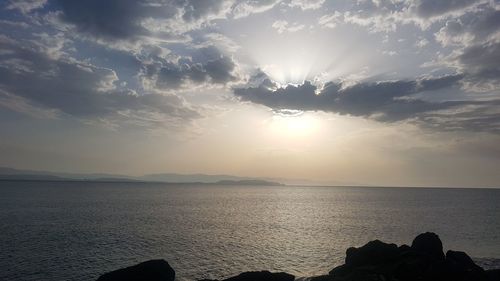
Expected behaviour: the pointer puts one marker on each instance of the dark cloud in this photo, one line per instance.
(123, 19)
(471, 28)
(363, 99)
(79, 89)
(211, 67)
(387, 101)
(475, 36)
(116, 19)
(481, 63)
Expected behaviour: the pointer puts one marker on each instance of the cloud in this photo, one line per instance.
(481, 62)
(307, 4)
(80, 89)
(431, 8)
(283, 26)
(388, 15)
(386, 101)
(331, 21)
(132, 19)
(113, 19)
(25, 6)
(482, 25)
(243, 8)
(475, 38)
(207, 66)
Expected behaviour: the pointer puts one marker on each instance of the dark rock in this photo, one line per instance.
(404, 248)
(461, 267)
(423, 261)
(153, 270)
(429, 245)
(322, 278)
(374, 252)
(262, 276)
(461, 260)
(492, 275)
(341, 270)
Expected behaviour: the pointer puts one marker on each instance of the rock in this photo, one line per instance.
(372, 253)
(152, 270)
(423, 261)
(259, 276)
(492, 275)
(262, 276)
(341, 270)
(321, 278)
(375, 261)
(461, 267)
(461, 260)
(429, 245)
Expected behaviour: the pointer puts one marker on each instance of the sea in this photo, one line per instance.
(80, 230)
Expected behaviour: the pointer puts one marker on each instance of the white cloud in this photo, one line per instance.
(282, 26)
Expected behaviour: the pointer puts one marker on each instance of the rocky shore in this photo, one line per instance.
(424, 260)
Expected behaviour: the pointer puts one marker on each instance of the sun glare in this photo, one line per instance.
(300, 125)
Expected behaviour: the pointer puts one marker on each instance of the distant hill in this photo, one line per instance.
(185, 178)
(248, 182)
(16, 174)
(31, 177)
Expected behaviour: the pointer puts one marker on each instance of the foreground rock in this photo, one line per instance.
(424, 260)
(259, 276)
(153, 270)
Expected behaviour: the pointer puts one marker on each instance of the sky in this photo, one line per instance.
(367, 92)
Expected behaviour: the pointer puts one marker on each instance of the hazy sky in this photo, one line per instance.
(340, 92)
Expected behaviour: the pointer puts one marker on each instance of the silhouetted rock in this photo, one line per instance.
(259, 276)
(428, 244)
(153, 270)
(374, 252)
(492, 275)
(423, 261)
(461, 267)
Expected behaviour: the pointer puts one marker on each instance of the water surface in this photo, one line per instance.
(79, 230)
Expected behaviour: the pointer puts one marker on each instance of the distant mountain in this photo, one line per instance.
(184, 178)
(248, 182)
(31, 177)
(4, 171)
(16, 174)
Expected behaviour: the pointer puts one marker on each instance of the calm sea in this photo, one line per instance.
(77, 230)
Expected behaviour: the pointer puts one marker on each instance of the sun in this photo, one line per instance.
(294, 124)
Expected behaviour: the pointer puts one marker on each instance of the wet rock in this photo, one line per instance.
(429, 245)
(152, 270)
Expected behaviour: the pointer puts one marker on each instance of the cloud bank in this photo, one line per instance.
(385, 101)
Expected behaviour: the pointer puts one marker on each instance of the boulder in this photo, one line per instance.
(262, 276)
(423, 261)
(152, 270)
(429, 245)
(373, 253)
(259, 276)
(461, 267)
(492, 275)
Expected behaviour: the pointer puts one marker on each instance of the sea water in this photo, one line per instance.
(79, 230)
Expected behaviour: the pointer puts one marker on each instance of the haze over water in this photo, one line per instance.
(77, 231)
